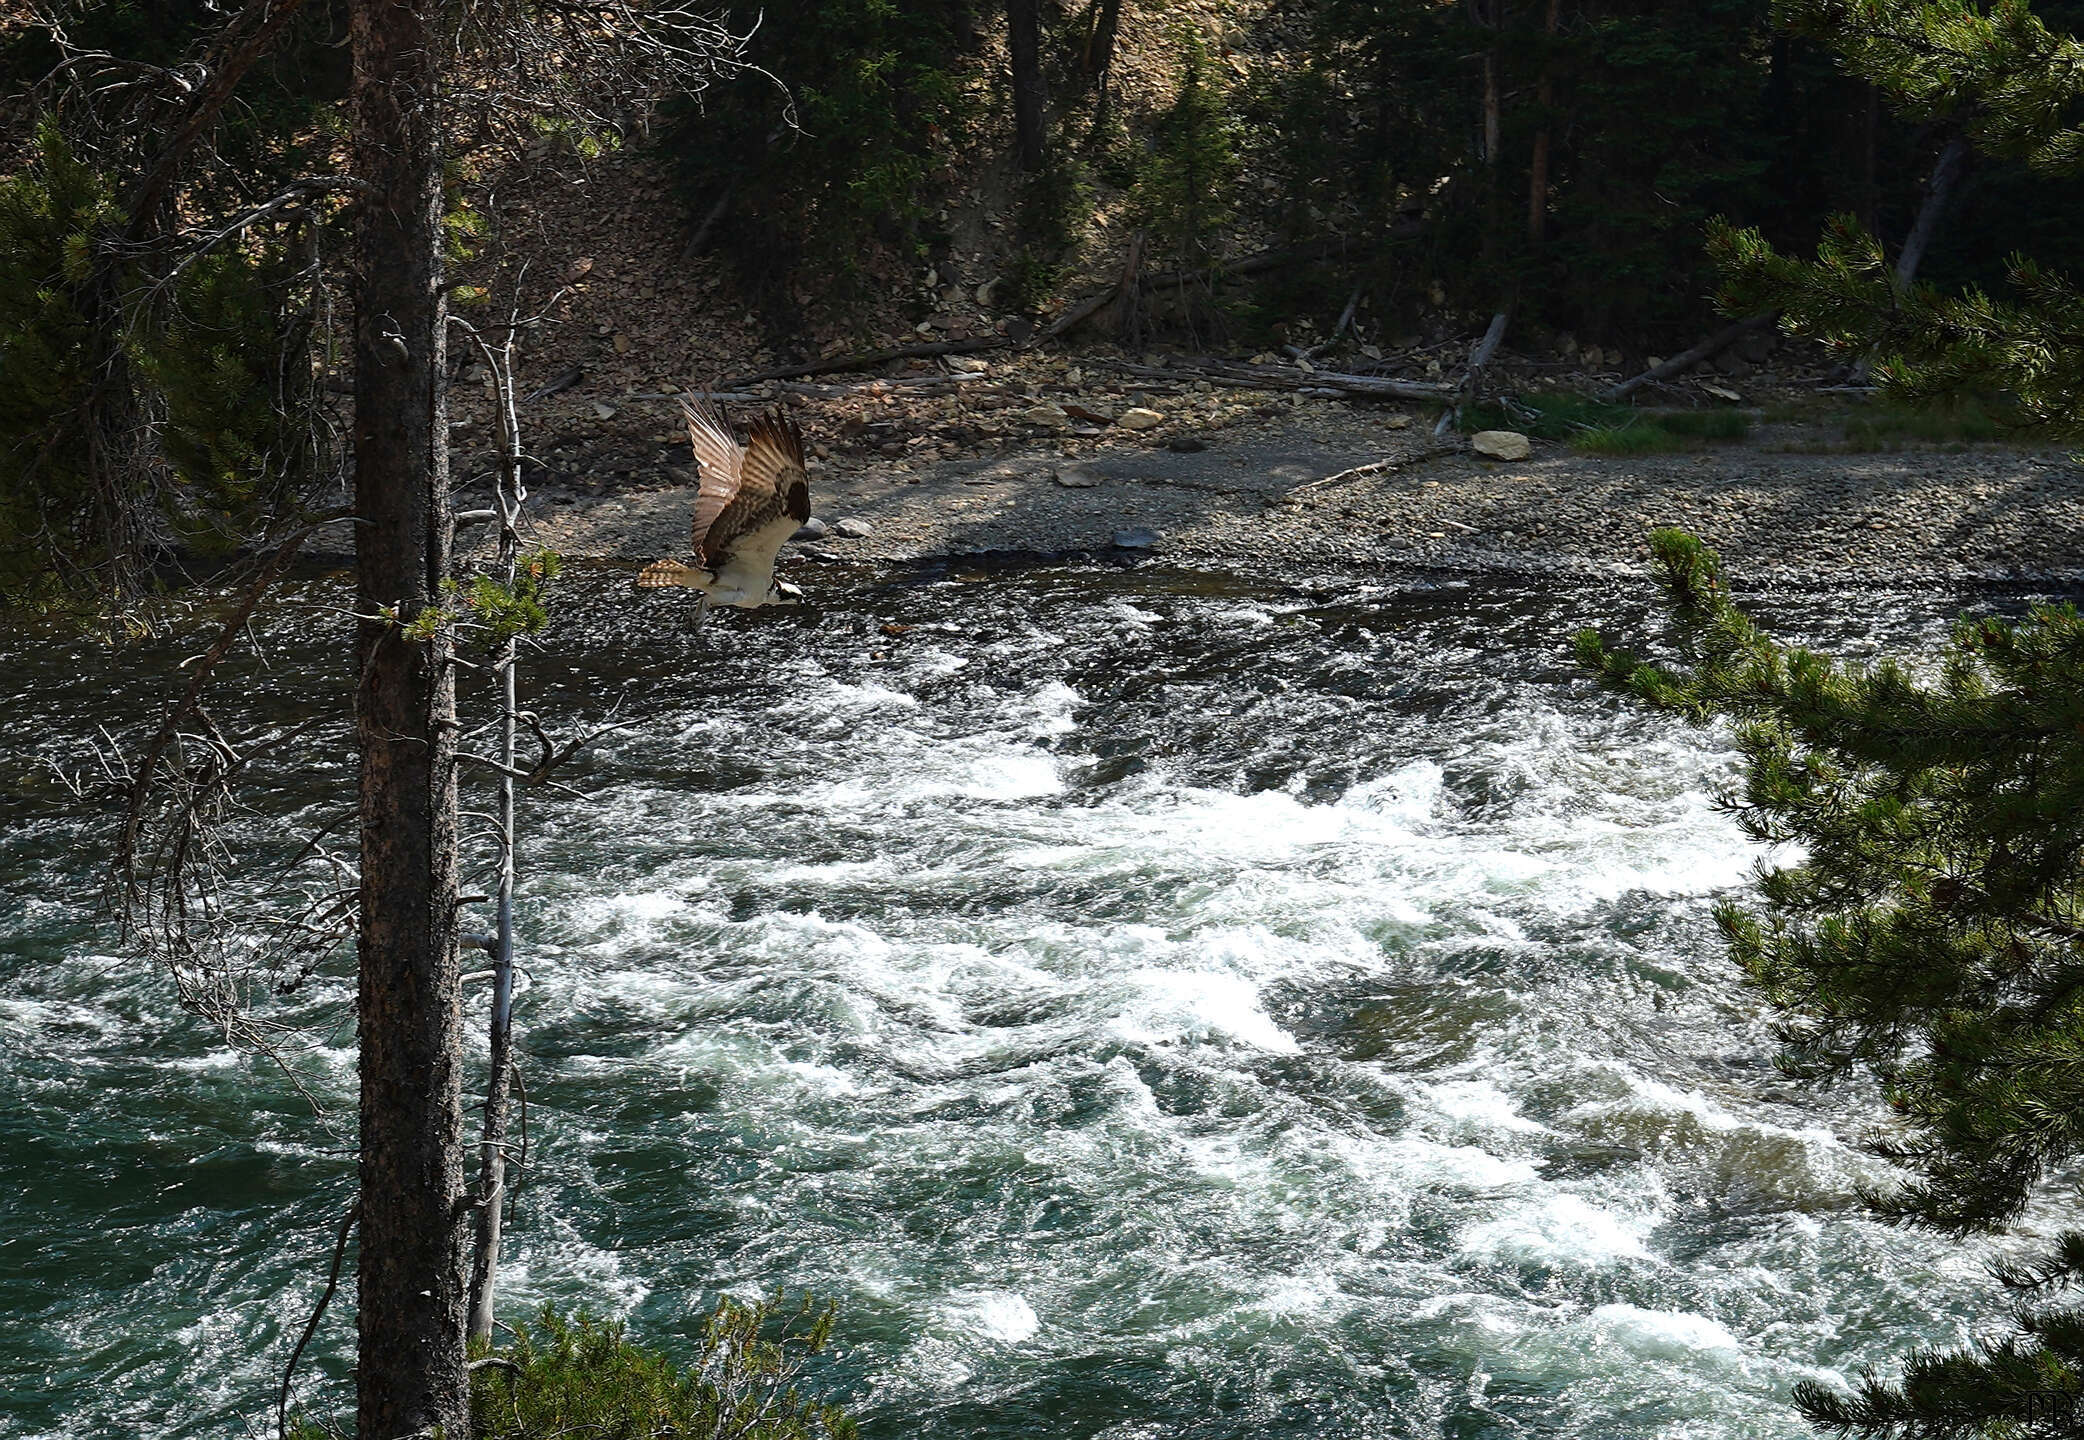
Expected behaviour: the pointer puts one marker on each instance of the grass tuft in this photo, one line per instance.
(1887, 427)
(1643, 439)
(1722, 425)
(1593, 427)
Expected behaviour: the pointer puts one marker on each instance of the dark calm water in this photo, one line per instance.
(1153, 1007)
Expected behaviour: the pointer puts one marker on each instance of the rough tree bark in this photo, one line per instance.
(1538, 163)
(1939, 190)
(1099, 40)
(414, 1212)
(1024, 42)
(1099, 51)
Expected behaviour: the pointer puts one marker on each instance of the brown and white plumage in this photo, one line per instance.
(749, 500)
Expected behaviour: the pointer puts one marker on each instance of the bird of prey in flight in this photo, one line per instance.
(749, 499)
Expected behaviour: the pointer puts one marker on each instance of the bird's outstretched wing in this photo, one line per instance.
(719, 467)
(771, 491)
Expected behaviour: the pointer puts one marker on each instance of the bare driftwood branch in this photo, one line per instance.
(144, 772)
(1373, 467)
(563, 380)
(242, 43)
(289, 1371)
(1479, 361)
(1345, 319)
(1122, 298)
(200, 243)
(1685, 360)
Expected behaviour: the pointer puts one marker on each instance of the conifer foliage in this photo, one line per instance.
(582, 1377)
(223, 408)
(2010, 87)
(1932, 931)
(1184, 192)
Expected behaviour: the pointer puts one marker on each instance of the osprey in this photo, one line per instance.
(748, 500)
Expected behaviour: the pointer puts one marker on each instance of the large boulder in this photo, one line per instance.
(1501, 444)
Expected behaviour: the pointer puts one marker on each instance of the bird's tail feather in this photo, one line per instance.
(662, 573)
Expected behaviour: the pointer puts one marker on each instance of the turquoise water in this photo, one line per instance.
(1151, 1006)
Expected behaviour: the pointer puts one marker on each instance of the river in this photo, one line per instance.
(1153, 1006)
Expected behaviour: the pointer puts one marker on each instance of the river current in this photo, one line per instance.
(1154, 1007)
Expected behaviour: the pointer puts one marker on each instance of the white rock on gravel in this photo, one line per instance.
(1501, 444)
(853, 529)
(1139, 418)
(1076, 477)
(1049, 417)
(811, 529)
(967, 365)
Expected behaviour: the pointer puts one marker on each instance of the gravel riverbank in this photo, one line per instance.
(1261, 497)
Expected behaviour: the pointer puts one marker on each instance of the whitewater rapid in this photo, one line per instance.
(1149, 1007)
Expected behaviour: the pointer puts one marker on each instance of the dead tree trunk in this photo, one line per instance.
(1538, 163)
(1939, 191)
(1024, 42)
(1472, 379)
(492, 1160)
(1099, 51)
(492, 1150)
(410, 1377)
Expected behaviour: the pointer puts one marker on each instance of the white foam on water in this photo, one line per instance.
(1013, 776)
(1476, 1106)
(1414, 1163)
(838, 696)
(999, 1315)
(1055, 706)
(1667, 1334)
(553, 1263)
(1557, 1227)
(1200, 1006)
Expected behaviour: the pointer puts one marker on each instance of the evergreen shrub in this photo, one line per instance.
(210, 373)
(869, 103)
(582, 1379)
(1186, 194)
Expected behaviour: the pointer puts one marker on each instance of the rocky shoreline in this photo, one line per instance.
(1276, 496)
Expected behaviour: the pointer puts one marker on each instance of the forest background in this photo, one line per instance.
(1432, 163)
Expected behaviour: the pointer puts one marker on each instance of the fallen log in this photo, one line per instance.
(1121, 296)
(1685, 360)
(911, 384)
(841, 363)
(565, 380)
(1267, 377)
